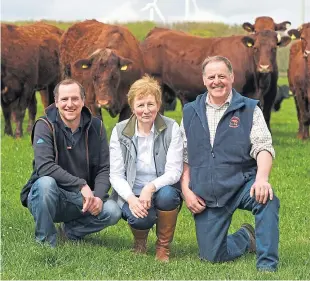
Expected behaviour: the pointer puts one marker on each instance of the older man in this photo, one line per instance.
(227, 161)
(71, 170)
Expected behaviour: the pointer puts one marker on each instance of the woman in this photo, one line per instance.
(146, 160)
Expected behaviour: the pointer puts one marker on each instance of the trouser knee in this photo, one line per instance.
(271, 206)
(210, 254)
(167, 198)
(44, 191)
(113, 210)
(143, 223)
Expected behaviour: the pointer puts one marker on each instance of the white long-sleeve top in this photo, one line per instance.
(146, 171)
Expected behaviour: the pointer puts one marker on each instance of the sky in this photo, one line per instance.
(227, 11)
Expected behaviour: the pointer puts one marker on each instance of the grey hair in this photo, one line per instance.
(217, 59)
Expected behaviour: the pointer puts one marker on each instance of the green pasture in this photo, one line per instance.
(107, 255)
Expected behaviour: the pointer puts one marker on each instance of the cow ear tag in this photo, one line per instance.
(84, 66)
(249, 44)
(293, 37)
(124, 67)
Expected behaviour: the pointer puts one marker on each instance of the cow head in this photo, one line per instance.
(264, 45)
(265, 23)
(104, 72)
(11, 88)
(303, 33)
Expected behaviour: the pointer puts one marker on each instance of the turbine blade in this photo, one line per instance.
(195, 6)
(158, 12)
(146, 7)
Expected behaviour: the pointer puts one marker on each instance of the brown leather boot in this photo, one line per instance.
(166, 222)
(140, 240)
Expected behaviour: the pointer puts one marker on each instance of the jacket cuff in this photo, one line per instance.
(101, 194)
(82, 183)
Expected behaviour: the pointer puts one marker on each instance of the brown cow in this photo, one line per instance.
(106, 60)
(175, 58)
(261, 23)
(299, 77)
(49, 36)
(265, 23)
(30, 61)
(19, 74)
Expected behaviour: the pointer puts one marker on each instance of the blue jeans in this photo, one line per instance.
(212, 228)
(48, 204)
(165, 199)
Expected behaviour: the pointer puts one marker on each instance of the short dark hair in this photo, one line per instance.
(218, 59)
(69, 81)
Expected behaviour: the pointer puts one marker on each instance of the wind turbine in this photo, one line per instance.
(187, 8)
(153, 7)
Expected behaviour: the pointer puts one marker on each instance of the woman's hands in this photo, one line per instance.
(139, 206)
(146, 195)
(136, 207)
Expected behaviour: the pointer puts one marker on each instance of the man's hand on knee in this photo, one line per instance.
(88, 197)
(262, 190)
(96, 207)
(193, 202)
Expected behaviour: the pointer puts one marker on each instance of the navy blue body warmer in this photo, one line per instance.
(218, 173)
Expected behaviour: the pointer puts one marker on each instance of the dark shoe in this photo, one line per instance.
(166, 222)
(140, 240)
(251, 232)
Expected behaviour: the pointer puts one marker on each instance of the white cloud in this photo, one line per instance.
(201, 15)
(228, 11)
(278, 15)
(123, 13)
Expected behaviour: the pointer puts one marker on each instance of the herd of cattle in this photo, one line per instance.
(107, 59)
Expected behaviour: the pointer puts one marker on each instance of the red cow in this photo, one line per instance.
(30, 61)
(175, 58)
(299, 77)
(106, 60)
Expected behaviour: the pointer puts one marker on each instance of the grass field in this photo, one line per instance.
(107, 255)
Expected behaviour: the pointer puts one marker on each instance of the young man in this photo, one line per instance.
(70, 180)
(227, 160)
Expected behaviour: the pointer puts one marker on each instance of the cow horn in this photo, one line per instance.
(5, 90)
(278, 37)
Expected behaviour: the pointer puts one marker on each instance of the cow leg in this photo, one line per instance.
(20, 106)
(13, 116)
(20, 110)
(6, 109)
(268, 101)
(50, 90)
(168, 98)
(267, 115)
(44, 98)
(303, 120)
(95, 110)
(300, 126)
(307, 106)
(32, 112)
(306, 132)
(125, 113)
(47, 95)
